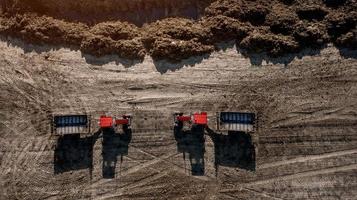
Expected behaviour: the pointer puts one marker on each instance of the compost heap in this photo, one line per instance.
(172, 30)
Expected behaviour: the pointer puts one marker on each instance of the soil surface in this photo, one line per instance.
(305, 147)
(293, 62)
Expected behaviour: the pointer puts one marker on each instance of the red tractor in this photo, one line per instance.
(190, 121)
(106, 122)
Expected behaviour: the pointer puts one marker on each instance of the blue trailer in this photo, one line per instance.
(236, 121)
(71, 124)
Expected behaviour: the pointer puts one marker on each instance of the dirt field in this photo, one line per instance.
(306, 147)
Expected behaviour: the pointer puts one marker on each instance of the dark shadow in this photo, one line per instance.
(37, 48)
(312, 14)
(114, 145)
(233, 150)
(99, 61)
(258, 58)
(334, 3)
(348, 53)
(93, 60)
(224, 46)
(164, 66)
(192, 142)
(74, 153)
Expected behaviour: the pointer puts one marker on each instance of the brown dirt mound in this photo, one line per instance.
(175, 50)
(222, 28)
(118, 38)
(175, 39)
(276, 27)
(94, 11)
(348, 40)
(341, 22)
(100, 46)
(282, 19)
(39, 30)
(116, 30)
(174, 28)
(311, 34)
(267, 42)
(246, 11)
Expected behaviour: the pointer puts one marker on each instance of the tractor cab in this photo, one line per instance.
(107, 122)
(189, 122)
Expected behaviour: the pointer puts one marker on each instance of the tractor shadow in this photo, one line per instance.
(74, 153)
(233, 150)
(164, 66)
(114, 145)
(192, 142)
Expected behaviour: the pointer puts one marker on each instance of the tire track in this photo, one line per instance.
(136, 187)
(303, 174)
(137, 168)
(120, 191)
(146, 180)
(262, 194)
(176, 167)
(307, 158)
(289, 177)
